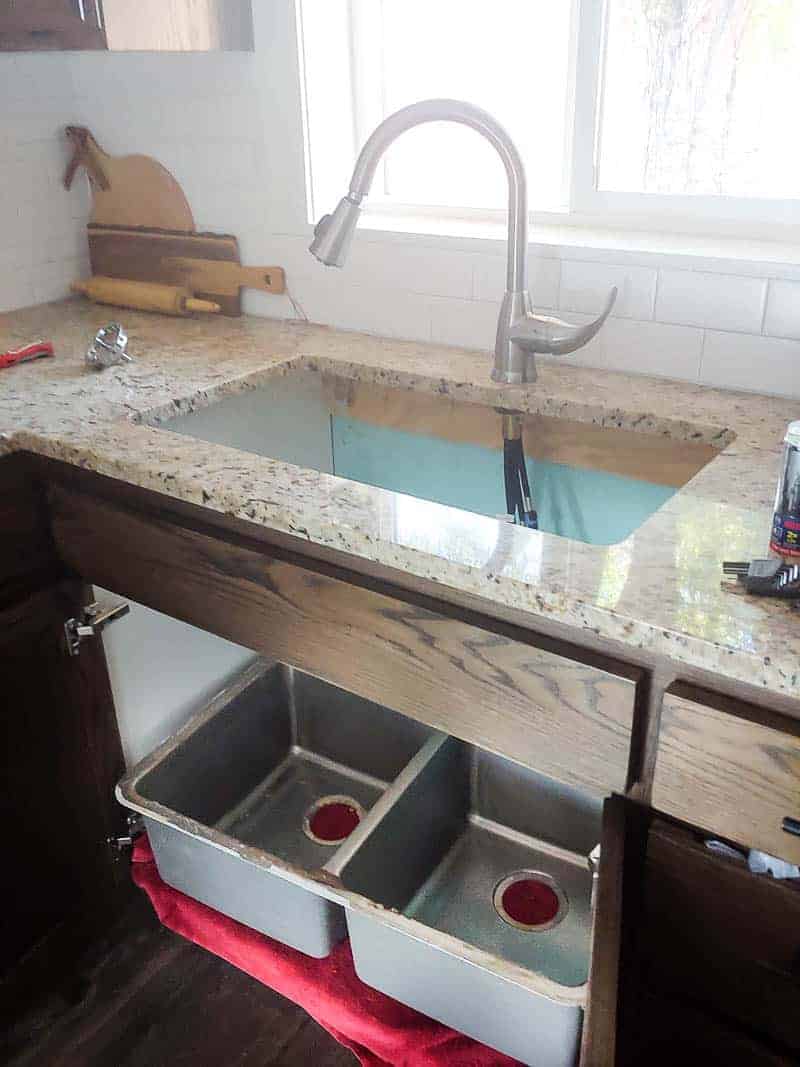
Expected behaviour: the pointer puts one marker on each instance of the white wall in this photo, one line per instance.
(161, 672)
(42, 226)
(229, 126)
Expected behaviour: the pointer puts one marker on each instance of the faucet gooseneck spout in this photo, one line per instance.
(520, 333)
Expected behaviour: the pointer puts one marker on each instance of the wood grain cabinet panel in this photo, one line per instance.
(567, 719)
(125, 26)
(733, 777)
(54, 25)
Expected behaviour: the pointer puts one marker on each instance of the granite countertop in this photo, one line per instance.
(659, 589)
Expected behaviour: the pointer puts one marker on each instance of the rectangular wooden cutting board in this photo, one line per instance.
(208, 263)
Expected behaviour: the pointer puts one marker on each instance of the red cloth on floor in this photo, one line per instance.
(377, 1029)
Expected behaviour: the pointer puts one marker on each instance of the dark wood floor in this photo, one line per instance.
(142, 997)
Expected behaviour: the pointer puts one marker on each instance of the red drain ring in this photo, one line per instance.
(530, 900)
(331, 820)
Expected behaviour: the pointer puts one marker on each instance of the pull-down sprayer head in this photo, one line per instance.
(333, 234)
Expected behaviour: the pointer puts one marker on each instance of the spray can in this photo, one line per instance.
(785, 538)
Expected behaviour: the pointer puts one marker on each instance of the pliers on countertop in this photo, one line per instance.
(37, 350)
(766, 577)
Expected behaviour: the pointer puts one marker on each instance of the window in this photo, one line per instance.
(661, 112)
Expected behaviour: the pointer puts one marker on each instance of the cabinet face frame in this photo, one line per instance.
(654, 673)
(61, 753)
(614, 970)
(557, 712)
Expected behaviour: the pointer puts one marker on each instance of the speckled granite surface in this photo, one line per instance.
(660, 589)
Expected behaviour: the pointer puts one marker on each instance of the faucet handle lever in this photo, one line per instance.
(544, 333)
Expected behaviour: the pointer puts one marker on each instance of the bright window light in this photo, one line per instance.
(655, 114)
(697, 98)
(464, 49)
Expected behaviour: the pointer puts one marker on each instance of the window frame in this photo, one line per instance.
(585, 206)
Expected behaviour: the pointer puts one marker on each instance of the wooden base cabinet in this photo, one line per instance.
(60, 753)
(695, 959)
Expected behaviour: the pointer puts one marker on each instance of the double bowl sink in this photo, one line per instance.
(462, 879)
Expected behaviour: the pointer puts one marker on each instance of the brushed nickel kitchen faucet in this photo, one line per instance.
(520, 332)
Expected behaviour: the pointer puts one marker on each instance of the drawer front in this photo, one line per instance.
(725, 774)
(569, 720)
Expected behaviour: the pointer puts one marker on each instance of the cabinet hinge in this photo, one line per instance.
(92, 619)
(119, 844)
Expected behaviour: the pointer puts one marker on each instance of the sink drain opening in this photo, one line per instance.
(530, 900)
(331, 820)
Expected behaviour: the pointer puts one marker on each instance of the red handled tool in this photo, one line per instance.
(38, 350)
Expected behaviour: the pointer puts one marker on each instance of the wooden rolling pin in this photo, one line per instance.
(143, 296)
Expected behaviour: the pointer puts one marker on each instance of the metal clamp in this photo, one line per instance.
(108, 347)
(93, 619)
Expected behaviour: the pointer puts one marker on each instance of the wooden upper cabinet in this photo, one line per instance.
(53, 25)
(123, 26)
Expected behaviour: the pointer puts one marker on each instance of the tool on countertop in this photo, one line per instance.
(767, 577)
(144, 296)
(109, 347)
(785, 538)
(37, 350)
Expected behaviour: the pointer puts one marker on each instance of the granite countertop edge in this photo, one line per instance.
(659, 590)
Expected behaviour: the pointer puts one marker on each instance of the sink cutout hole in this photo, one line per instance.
(530, 900)
(331, 820)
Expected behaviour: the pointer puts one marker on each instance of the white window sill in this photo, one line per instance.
(553, 240)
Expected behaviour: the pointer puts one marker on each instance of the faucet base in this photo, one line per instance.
(509, 377)
(513, 365)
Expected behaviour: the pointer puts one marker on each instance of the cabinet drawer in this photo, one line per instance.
(570, 720)
(736, 778)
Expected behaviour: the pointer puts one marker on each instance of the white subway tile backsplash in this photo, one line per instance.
(16, 290)
(718, 301)
(585, 288)
(655, 348)
(52, 280)
(402, 267)
(782, 318)
(464, 323)
(756, 364)
(43, 225)
(544, 275)
(370, 310)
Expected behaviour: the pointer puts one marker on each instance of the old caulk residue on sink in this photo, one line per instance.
(590, 483)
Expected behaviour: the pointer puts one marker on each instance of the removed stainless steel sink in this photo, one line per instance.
(229, 802)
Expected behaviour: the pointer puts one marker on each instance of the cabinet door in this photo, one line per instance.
(32, 25)
(60, 758)
(694, 959)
